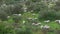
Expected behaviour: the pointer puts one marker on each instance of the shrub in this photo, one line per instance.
(22, 31)
(47, 15)
(3, 15)
(57, 15)
(16, 18)
(4, 29)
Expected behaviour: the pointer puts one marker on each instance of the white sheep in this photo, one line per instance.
(46, 26)
(36, 24)
(58, 21)
(47, 21)
(17, 14)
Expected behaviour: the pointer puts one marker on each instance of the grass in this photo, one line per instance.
(52, 24)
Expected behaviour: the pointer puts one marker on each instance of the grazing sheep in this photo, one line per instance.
(36, 24)
(47, 21)
(45, 27)
(17, 14)
(58, 21)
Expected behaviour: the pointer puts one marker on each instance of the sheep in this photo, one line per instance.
(36, 24)
(45, 27)
(17, 14)
(47, 21)
(29, 18)
(58, 21)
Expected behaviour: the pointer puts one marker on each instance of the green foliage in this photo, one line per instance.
(43, 10)
(47, 15)
(3, 15)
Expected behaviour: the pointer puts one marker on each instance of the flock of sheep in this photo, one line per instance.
(44, 26)
(36, 24)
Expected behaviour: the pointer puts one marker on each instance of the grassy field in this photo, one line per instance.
(35, 30)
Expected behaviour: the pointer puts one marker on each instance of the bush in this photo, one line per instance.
(47, 15)
(22, 31)
(17, 18)
(57, 15)
(5, 28)
(3, 15)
